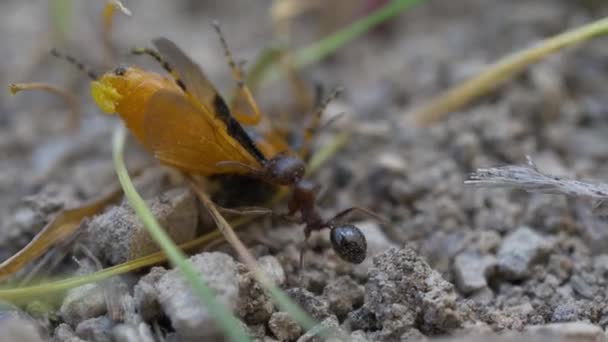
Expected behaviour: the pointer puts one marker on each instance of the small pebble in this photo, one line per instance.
(326, 331)
(129, 333)
(471, 271)
(283, 327)
(403, 291)
(273, 269)
(343, 294)
(145, 294)
(97, 329)
(566, 312)
(118, 235)
(83, 302)
(519, 251)
(14, 328)
(189, 317)
(65, 333)
(361, 319)
(254, 305)
(317, 307)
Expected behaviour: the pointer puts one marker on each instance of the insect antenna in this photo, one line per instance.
(163, 63)
(237, 73)
(79, 65)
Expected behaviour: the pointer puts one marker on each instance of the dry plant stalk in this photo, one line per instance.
(73, 121)
(229, 234)
(531, 179)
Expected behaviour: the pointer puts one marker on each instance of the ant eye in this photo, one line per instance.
(120, 71)
(349, 243)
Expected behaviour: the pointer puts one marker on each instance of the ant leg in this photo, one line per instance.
(298, 86)
(163, 63)
(304, 248)
(314, 124)
(245, 210)
(237, 74)
(361, 210)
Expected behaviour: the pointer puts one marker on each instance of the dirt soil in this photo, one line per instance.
(452, 261)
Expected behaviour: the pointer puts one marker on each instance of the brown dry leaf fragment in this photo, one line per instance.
(61, 226)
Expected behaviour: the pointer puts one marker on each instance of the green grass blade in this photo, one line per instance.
(267, 72)
(223, 317)
(333, 42)
(61, 18)
(502, 70)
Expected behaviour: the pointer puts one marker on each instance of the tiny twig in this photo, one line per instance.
(247, 258)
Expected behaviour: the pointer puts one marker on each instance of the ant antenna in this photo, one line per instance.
(88, 71)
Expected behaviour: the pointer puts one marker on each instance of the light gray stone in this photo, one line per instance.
(189, 317)
(519, 251)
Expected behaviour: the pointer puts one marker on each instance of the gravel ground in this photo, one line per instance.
(453, 262)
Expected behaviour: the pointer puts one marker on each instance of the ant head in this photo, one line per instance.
(349, 243)
(285, 170)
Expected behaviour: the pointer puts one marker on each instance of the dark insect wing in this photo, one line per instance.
(195, 81)
(204, 93)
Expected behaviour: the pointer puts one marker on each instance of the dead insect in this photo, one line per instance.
(186, 124)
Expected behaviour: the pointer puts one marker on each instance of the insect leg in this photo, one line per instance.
(315, 122)
(245, 210)
(307, 232)
(237, 73)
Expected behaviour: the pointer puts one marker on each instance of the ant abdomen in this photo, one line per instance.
(349, 243)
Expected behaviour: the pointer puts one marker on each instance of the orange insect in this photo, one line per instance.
(186, 124)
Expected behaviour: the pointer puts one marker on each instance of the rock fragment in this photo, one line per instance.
(16, 327)
(145, 294)
(326, 331)
(283, 327)
(97, 329)
(471, 271)
(519, 251)
(190, 318)
(255, 306)
(65, 333)
(129, 333)
(343, 294)
(404, 293)
(83, 302)
(317, 307)
(361, 319)
(118, 235)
